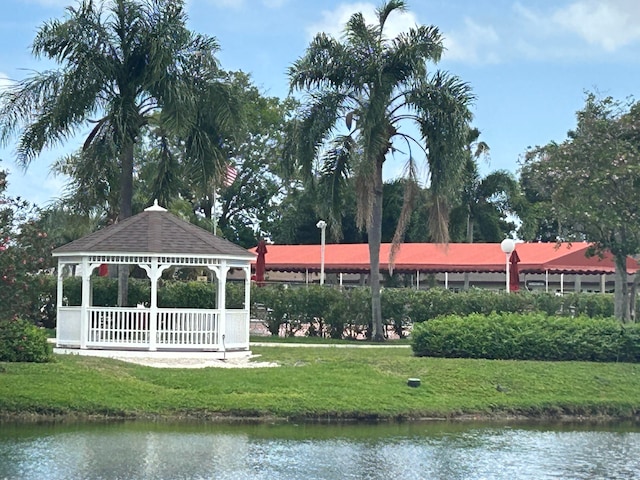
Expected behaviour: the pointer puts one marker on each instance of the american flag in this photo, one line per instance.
(230, 175)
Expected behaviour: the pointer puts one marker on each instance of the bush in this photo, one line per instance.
(177, 294)
(21, 341)
(323, 311)
(105, 291)
(533, 336)
(352, 314)
(278, 302)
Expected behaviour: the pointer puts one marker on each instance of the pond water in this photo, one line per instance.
(441, 450)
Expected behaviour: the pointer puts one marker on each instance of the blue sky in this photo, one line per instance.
(529, 63)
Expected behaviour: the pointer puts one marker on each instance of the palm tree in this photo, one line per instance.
(484, 201)
(121, 62)
(369, 87)
(120, 65)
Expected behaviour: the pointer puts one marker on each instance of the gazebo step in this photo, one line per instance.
(162, 354)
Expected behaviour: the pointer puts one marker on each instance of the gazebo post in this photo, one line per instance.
(222, 302)
(247, 287)
(153, 305)
(59, 295)
(85, 303)
(154, 272)
(220, 271)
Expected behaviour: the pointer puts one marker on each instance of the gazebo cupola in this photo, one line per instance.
(154, 240)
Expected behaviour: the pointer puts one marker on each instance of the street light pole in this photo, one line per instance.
(322, 225)
(507, 246)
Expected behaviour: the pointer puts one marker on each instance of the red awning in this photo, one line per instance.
(436, 258)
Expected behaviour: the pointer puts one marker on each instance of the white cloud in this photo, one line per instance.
(608, 24)
(333, 21)
(474, 44)
(575, 30)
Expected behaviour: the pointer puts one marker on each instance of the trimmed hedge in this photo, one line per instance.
(534, 336)
(21, 341)
(326, 311)
(320, 310)
(171, 293)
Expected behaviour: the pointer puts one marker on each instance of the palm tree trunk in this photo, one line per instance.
(469, 240)
(126, 209)
(375, 237)
(622, 309)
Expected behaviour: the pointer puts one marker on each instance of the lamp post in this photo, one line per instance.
(507, 246)
(322, 225)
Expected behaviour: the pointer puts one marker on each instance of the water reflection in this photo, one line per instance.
(408, 451)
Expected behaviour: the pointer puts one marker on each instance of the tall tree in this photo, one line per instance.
(482, 208)
(120, 62)
(248, 205)
(536, 211)
(25, 252)
(594, 180)
(370, 87)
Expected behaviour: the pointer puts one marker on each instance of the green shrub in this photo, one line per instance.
(235, 294)
(105, 291)
(396, 305)
(325, 311)
(278, 302)
(533, 336)
(21, 341)
(177, 294)
(353, 313)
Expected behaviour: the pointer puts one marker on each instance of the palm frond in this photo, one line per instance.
(334, 179)
(323, 64)
(411, 192)
(408, 57)
(317, 121)
(443, 105)
(389, 7)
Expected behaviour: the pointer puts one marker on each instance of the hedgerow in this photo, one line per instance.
(326, 310)
(528, 336)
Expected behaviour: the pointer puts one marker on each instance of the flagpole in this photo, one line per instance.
(229, 177)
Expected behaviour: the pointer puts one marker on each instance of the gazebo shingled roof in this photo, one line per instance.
(154, 231)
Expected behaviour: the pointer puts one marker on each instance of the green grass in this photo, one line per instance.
(323, 383)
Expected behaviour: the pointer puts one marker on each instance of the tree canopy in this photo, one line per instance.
(593, 182)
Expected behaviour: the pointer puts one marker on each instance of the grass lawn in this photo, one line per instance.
(323, 383)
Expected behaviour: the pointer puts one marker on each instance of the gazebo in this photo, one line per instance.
(154, 240)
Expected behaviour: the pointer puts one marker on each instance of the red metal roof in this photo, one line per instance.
(430, 257)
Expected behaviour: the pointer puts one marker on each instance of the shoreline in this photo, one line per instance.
(233, 419)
